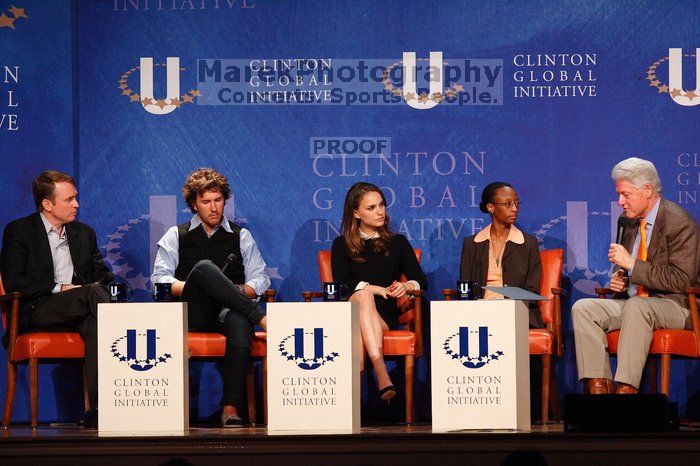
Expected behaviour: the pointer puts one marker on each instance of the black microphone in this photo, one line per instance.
(229, 260)
(107, 279)
(622, 223)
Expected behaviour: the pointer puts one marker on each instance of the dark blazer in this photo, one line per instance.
(673, 257)
(27, 265)
(522, 267)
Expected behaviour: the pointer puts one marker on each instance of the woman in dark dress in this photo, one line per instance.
(501, 254)
(369, 260)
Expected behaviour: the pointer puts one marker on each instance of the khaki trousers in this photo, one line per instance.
(636, 318)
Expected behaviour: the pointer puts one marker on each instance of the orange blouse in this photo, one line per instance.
(494, 276)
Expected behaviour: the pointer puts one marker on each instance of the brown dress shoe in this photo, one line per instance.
(624, 389)
(599, 386)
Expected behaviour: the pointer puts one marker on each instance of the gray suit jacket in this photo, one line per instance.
(673, 258)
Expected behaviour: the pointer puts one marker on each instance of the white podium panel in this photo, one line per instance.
(480, 365)
(142, 369)
(313, 375)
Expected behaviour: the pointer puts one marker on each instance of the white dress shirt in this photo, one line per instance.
(60, 254)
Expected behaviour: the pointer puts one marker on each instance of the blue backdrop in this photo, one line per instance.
(545, 95)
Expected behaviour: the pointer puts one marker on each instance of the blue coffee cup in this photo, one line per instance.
(120, 292)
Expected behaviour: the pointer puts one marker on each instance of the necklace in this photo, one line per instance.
(497, 256)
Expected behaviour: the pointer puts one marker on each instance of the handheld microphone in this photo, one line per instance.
(622, 223)
(229, 260)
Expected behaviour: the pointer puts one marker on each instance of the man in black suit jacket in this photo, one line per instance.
(54, 262)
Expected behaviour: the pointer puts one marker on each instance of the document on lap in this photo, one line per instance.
(513, 292)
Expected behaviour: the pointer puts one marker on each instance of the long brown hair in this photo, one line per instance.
(350, 226)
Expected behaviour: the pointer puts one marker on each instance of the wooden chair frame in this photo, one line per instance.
(549, 393)
(9, 303)
(411, 321)
(665, 357)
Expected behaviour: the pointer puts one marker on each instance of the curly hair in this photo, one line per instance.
(203, 180)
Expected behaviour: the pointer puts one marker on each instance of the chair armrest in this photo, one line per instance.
(449, 293)
(10, 296)
(270, 296)
(603, 292)
(308, 295)
(418, 320)
(555, 327)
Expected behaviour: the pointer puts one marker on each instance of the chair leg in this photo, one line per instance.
(554, 395)
(409, 388)
(250, 388)
(546, 373)
(264, 382)
(34, 390)
(666, 374)
(86, 398)
(10, 393)
(653, 365)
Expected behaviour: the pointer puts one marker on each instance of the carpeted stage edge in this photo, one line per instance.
(395, 445)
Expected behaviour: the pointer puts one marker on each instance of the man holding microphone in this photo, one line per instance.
(659, 257)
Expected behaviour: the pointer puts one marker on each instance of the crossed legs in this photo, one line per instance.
(216, 304)
(372, 328)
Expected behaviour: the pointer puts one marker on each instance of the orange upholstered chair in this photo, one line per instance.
(210, 346)
(666, 343)
(33, 348)
(546, 342)
(406, 342)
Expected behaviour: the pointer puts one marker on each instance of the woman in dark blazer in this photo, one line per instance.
(501, 254)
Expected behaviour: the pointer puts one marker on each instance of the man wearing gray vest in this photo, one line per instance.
(215, 266)
(659, 257)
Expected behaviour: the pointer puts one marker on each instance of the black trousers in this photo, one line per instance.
(71, 311)
(207, 292)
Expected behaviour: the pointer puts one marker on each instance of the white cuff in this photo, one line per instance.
(57, 288)
(361, 286)
(416, 285)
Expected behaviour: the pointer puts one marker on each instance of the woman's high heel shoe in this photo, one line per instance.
(387, 393)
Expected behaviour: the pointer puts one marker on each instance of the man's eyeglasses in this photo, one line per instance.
(508, 205)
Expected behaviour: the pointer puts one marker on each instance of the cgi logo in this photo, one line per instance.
(675, 78)
(484, 76)
(296, 354)
(9, 21)
(461, 353)
(138, 363)
(145, 97)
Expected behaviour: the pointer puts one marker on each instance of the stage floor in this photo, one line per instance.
(398, 444)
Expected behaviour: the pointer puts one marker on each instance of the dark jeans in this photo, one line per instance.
(207, 291)
(71, 311)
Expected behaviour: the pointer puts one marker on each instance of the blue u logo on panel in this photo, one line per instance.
(127, 350)
(459, 346)
(293, 349)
